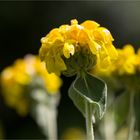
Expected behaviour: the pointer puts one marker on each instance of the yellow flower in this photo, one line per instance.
(127, 63)
(68, 50)
(73, 134)
(16, 78)
(36, 68)
(65, 49)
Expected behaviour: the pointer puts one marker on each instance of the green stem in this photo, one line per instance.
(44, 110)
(131, 119)
(46, 118)
(109, 125)
(89, 123)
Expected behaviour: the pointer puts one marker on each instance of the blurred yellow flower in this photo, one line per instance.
(127, 63)
(65, 48)
(16, 78)
(74, 133)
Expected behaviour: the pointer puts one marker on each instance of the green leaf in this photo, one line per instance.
(89, 89)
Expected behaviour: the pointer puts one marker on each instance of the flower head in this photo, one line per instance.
(16, 79)
(128, 61)
(70, 48)
(124, 71)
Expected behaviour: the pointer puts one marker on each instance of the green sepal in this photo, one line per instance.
(87, 88)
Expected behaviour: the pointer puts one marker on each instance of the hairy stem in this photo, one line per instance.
(89, 123)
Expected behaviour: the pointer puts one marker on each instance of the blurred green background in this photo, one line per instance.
(22, 24)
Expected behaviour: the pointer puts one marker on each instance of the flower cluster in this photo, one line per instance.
(128, 61)
(71, 48)
(125, 69)
(16, 79)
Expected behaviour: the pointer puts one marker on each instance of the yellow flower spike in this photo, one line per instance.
(72, 48)
(77, 54)
(126, 60)
(68, 50)
(16, 78)
(127, 63)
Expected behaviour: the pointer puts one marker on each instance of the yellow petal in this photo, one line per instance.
(94, 47)
(90, 25)
(68, 50)
(102, 34)
(112, 52)
(55, 65)
(128, 50)
(53, 36)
